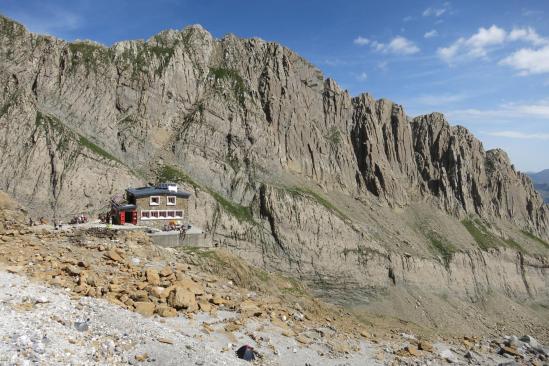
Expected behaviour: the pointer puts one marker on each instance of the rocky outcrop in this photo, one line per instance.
(457, 171)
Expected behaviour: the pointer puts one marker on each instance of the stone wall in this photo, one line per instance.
(143, 203)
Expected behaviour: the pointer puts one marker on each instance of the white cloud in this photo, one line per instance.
(528, 35)
(529, 61)
(433, 12)
(407, 18)
(475, 46)
(449, 53)
(520, 135)
(538, 110)
(361, 41)
(398, 45)
(362, 77)
(401, 45)
(431, 34)
(436, 12)
(486, 39)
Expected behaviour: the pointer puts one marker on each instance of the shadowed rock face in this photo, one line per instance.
(283, 164)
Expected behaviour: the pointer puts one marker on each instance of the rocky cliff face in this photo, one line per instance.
(283, 164)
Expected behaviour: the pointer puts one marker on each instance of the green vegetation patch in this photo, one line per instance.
(141, 58)
(295, 287)
(535, 238)
(171, 174)
(236, 81)
(202, 253)
(485, 239)
(241, 213)
(96, 149)
(306, 192)
(441, 247)
(262, 275)
(90, 55)
(55, 130)
(10, 101)
(65, 136)
(10, 29)
(333, 136)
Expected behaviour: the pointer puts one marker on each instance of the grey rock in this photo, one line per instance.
(530, 340)
(448, 355)
(81, 326)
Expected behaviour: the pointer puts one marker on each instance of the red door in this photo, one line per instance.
(122, 217)
(134, 217)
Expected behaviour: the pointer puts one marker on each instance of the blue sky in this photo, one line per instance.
(485, 64)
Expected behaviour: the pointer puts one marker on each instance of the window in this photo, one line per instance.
(155, 200)
(171, 214)
(178, 214)
(162, 214)
(171, 201)
(145, 214)
(154, 214)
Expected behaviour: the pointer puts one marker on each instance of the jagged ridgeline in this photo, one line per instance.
(284, 165)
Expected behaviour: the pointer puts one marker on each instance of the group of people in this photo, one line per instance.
(41, 221)
(172, 226)
(80, 219)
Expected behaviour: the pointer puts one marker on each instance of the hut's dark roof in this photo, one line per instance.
(155, 191)
(125, 207)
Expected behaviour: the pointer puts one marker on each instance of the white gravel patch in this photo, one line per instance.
(39, 325)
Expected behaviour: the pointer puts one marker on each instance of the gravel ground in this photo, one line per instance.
(45, 326)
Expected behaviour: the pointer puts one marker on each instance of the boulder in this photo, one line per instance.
(139, 295)
(14, 269)
(217, 300)
(190, 285)
(160, 292)
(448, 355)
(303, 339)
(166, 311)
(144, 308)
(87, 278)
(425, 346)
(510, 350)
(530, 340)
(249, 308)
(153, 277)
(72, 270)
(182, 298)
(204, 305)
(166, 271)
(113, 255)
